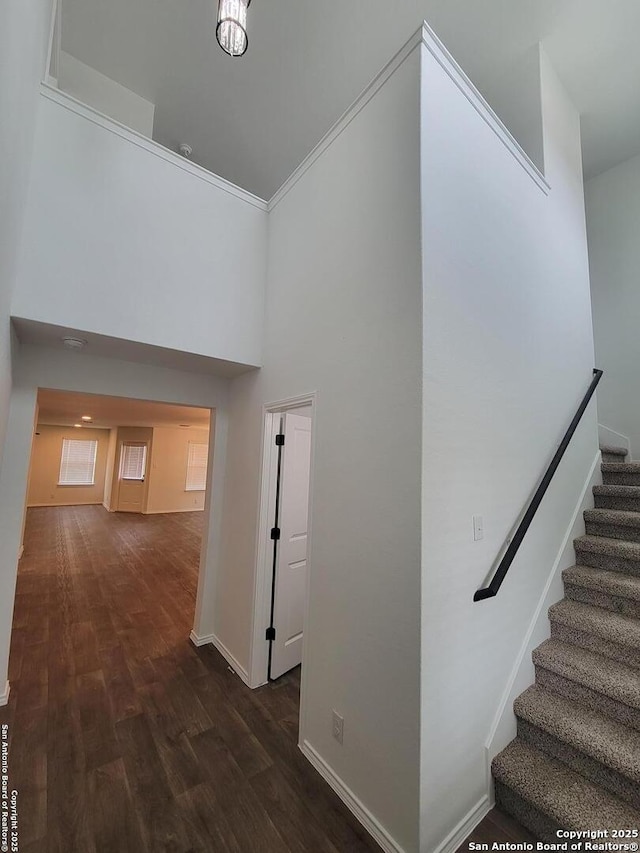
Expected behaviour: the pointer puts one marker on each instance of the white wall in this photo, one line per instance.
(125, 239)
(508, 355)
(613, 221)
(24, 31)
(343, 319)
(58, 369)
(105, 95)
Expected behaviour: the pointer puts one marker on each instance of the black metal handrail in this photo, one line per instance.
(527, 518)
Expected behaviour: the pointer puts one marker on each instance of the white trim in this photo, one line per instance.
(492, 743)
(172, 511)
(448, 64)
(423, 36)
(21, 552)
(356, 806)
(466, 826)
(224, 651)
(75, 503)
(73, 105)
(347, 117)
(4, 696)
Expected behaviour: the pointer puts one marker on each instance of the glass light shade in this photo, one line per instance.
(231, 31)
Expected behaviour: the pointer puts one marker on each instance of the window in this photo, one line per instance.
(133, 461)
(197, 467)
(78, 462)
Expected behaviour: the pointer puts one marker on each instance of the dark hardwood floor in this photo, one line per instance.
(123, 737)
(497, 827)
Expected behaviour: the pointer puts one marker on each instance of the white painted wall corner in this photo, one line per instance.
(224, 651)
(356, 806)
(466, 826)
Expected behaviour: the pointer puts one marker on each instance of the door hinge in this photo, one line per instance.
(270, 634)
(275, 532)
(279, 440)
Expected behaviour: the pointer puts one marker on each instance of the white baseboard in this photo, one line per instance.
(465, 827)
(4, 696)
(362, 813)
(171, 511)
(503, 727)
(224, 651)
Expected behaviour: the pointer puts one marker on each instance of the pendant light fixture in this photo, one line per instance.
(231, 31)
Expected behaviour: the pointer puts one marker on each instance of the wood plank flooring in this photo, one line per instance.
(123, 737)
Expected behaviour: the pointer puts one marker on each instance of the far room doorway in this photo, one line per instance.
(116, 493)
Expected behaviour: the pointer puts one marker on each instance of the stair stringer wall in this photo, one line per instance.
(503, 728)
(507, 357)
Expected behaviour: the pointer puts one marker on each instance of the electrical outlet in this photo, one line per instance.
(338, 726)
(478, 528)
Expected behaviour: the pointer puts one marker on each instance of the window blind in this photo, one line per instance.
(78, 462)
(133, 461)
(197, 467)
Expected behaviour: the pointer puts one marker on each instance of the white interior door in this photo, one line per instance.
(131, 476)
(290, 586)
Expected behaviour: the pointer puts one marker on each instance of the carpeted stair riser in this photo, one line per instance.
(613, 454)
(620, 477)
(597, 598)
(578, 692)
(597, 645)
(607, 562)
(611, 457)
(617, 497)
(590, 768)
(613, 531)
(541, 825)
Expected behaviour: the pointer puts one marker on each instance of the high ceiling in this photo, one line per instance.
(252, 120)
(66, 408)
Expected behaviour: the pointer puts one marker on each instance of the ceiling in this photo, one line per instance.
(66, 408)
(253, 120)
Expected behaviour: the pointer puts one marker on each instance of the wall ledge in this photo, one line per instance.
(70, 103)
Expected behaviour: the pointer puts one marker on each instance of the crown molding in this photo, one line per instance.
(449, 65)
(347, 117)
(73, 105)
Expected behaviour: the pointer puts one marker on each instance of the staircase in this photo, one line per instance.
(575, 763)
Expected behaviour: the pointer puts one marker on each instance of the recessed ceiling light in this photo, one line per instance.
(74, 343)
(77, 425)
(87, 418)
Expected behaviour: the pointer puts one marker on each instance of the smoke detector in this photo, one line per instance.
(185, 150)
(74, 343)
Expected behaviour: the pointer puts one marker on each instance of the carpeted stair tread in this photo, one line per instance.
(601, 675)
(619, 517)
(613, 450)
(568, 798)
(608, 547)
(611, 583)
(614, 627)
(611, 743)
(620, 467)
